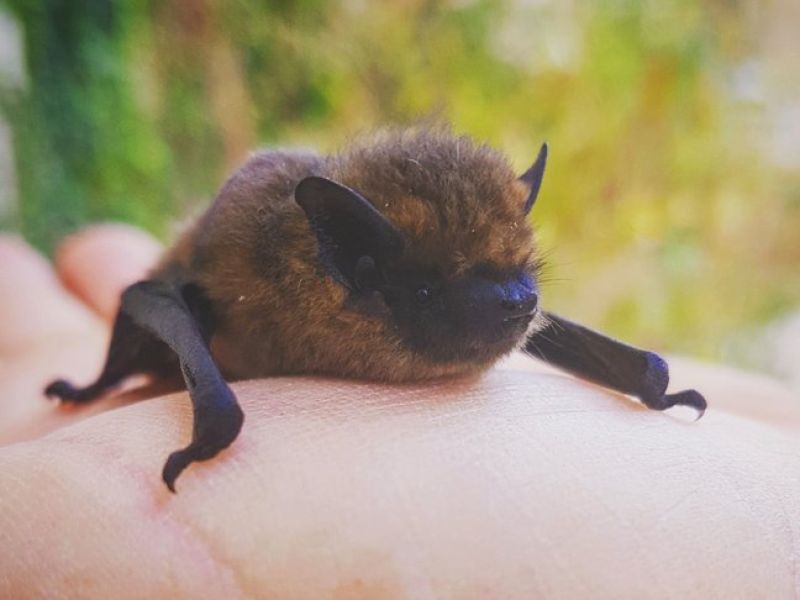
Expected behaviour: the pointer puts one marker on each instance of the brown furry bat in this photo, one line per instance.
(406, 257)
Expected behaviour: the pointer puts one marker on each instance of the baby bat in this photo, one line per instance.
(407, 256)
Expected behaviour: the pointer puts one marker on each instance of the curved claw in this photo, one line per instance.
(690, 398)
(213, 433)
(57, 389)
(654, 386)
(70, 394)
(63, 390)
(176, 463)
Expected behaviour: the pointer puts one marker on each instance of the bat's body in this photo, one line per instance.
(406, 257)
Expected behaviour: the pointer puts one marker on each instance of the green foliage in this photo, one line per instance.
(660, 222)
(85, 151)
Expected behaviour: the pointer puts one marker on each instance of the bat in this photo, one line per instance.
(406, 256)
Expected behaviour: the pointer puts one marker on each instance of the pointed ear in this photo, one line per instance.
(533, 178)
(347, 228)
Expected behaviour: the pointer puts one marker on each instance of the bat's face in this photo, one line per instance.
(430, 233)
(475, 317)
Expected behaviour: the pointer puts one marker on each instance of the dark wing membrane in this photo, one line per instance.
(608, 362)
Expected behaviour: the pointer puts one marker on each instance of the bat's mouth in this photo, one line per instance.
(521, 319)
(501, 337)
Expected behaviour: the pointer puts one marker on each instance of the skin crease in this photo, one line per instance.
(522, 483)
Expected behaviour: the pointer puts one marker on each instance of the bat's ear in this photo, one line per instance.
(347, 227)
(533, 178)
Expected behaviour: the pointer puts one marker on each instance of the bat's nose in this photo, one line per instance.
(488, 303)
(518, 297)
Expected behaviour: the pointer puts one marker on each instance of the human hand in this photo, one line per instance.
(517, 484)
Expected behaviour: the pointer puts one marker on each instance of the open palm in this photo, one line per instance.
(522, 483)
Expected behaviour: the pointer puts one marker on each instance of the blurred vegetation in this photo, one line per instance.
(661, 221)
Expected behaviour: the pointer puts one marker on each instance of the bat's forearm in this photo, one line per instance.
(159, 308)
(608, 362)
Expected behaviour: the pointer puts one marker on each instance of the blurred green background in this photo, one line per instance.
(671, 209)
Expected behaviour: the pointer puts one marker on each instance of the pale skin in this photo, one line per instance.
(520, 483)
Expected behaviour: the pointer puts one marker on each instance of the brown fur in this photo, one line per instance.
(457, 203)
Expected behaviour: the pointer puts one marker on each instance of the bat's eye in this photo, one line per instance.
(424, 295)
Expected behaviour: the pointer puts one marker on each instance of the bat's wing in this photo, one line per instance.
(161, 308)
(132, 350)
(157, 319)
(610, 363)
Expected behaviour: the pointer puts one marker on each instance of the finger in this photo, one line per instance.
(516, 485)
(97, 263)
(33, 304)
(44, 330)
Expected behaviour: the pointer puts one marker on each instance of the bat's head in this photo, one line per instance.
(429, 231)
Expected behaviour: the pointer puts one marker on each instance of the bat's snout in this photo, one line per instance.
(476, 318)
(512, 301)
(518, 299)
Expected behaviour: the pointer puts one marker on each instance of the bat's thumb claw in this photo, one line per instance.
(59, 390)
(175, 465)
(690, 398)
